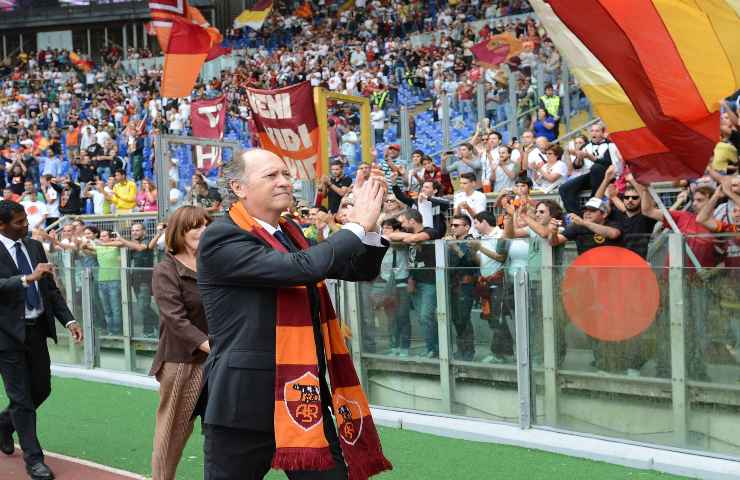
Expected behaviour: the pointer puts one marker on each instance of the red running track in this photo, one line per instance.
(64, 468)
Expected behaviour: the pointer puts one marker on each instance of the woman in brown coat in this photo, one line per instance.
(183, 339)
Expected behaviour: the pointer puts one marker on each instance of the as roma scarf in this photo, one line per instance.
(299, 433)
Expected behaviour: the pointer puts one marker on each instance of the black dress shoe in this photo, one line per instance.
(6, 442)
(39, 471)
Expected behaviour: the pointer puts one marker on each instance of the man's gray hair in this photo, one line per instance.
(232, 171)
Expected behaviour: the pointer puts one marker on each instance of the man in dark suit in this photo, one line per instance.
(238, 276)
(31, 301)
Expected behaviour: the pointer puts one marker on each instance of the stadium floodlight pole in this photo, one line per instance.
(480, 99)
(674, 227)
(565, 82)
(513, 127)
(540, 79)
(405, 134)
(445, 120)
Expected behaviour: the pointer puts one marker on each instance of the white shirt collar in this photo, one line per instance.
(270, 229)
(8, 243)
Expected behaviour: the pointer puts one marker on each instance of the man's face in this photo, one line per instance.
(387, 230)
(29, 187)
(7, 194)
(427, 189)
(542, 214)
(631, 200)
(522, 189)
(17, 228)
(312, 212)
(67, 230)
(493, 142)
(459, 228)
(699, 200)
(597, 133)
(269, 186)
(137, 231)
(336, 171)
(549, 91)
(735, 185)
(393, 153)
(467, 185)
(464, 152)
(527, 138)
(120, 177)
(363, 170)
(593, 215)
(482, 227)
(406, 224)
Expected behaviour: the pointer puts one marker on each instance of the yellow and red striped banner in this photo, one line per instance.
(654, 71)
(254, 16)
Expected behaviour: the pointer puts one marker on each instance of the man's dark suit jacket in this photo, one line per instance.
(238, 278)
(13, 294)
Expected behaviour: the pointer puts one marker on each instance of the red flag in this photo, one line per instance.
(216, 51)
(497, 49)
(187, 49)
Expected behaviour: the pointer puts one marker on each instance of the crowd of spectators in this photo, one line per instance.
(76, 142)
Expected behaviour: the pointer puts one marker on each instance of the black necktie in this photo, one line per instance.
(33, 301)
(283, 238)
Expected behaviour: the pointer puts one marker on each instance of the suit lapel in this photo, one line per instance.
(8, 260)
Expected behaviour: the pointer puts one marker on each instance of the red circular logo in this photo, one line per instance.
(610, 293)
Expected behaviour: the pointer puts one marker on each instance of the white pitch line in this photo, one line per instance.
(90, 464)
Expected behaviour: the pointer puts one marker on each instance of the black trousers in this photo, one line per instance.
(239, 454)
(27, 378)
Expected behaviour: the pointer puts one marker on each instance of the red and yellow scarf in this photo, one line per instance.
(299, 433)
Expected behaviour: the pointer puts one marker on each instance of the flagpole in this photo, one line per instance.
(674, 227)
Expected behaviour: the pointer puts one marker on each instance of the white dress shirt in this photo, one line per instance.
(10, 247)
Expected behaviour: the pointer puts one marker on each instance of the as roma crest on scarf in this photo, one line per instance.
(349, 419)
(303, 401)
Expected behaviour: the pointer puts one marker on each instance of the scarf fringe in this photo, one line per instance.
(303, 459)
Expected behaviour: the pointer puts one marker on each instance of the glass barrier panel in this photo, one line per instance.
(400, 340)
(143, 314)
(65, 351)
(480, 284)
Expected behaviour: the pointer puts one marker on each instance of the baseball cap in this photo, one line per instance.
(596, 204)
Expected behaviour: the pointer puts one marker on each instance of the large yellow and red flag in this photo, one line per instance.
(183, 33)
(497, 49)
(654, 70)
(254, 16)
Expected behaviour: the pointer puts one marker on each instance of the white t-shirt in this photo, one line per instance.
(557, 167)
(477, 201)
(378, 119)
(503, 181)
(98, 202)
(52, 203)
(36, 213)
(488, 265)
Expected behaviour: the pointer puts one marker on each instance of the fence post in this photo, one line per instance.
(443, 325)
(129, 359)
(549, 334)
(90, 344)
(445, 121)
(513, 116)
(565, 82)
(405, 132)
(523, 366)
(480, 100)
(677, 338)
(352, 305)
